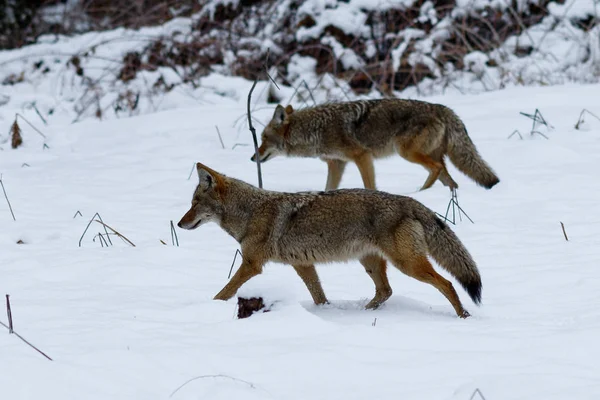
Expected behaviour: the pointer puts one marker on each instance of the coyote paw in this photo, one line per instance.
(465, 314)
(373, 305)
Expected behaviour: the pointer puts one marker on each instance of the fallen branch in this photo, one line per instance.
(115, 232)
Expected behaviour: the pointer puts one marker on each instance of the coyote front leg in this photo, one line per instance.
(309, 276)
(249, 269)
(335, 170)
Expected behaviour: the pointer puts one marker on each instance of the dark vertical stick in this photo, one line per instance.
(564, 231)
(8, 201)
(253, 131)
(9, 313)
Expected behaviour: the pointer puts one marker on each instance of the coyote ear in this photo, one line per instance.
(289, 109)
(279, 115)
(206, 179)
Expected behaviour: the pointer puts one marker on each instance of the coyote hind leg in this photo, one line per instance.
(409, 256)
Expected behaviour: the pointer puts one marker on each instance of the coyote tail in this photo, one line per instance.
(447, 250)
(464, 155)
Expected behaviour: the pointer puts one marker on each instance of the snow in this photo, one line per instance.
(126, 322)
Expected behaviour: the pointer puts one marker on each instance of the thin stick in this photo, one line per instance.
(191, 171)
(477, 391)
(220, 138)
(6, 197)
(30, 124)
(253, 131)
(9, 313)
(174, 238)
(88, 225)
(115, 232)
(564, 231)
(39, 114)
(517, 132)
(580, 120)
(233, 263)
(26, 342)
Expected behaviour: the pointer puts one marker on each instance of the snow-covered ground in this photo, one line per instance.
(138, 323)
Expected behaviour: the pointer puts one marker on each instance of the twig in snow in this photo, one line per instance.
(6, 197)
(88, 225)
(30, 124)
(477, 391)
(77, 213)
(374, 322)
(564, 231)
(9, 314)
(220, 138)
(454, 203)
(580, 120)
(517, 132)
(233, 263)
(34, 106)
(212, 376)
(174, 238)
(115, 232)
(101, 239)
(537, 118)
(12, 331)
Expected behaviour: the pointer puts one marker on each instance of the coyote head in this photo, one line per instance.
(207, 202)
(273, 136)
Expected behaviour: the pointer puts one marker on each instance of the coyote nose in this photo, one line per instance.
(179, 224)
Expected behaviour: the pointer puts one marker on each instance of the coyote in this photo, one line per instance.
(361, 131)
(305, 228)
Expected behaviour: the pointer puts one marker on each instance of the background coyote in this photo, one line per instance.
(360, 131)
(306, 228)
